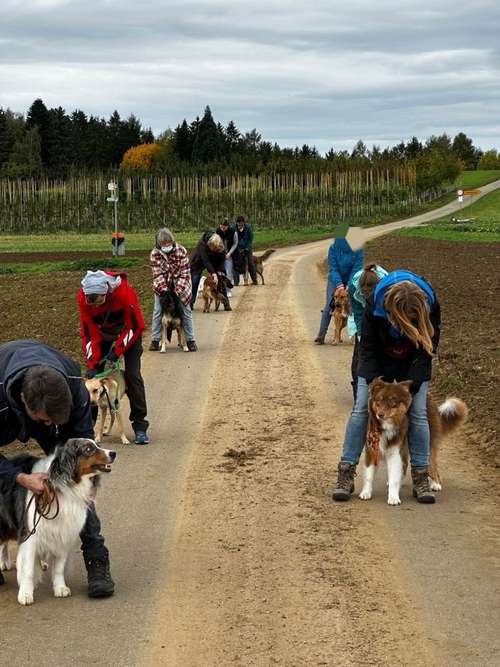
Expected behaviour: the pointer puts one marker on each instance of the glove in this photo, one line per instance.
(91, 372)
(112, 357)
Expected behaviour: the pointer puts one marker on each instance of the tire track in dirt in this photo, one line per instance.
(267, 570)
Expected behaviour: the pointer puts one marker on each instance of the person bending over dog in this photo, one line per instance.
(243, 256)
(343, 263)
(111, 325)
(171, 271)
(209, 254)
(43, 396)
(399, 336)
(360, 288)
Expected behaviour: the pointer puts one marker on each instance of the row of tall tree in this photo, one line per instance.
(53, 143)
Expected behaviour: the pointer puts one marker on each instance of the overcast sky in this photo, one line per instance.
(325, 74)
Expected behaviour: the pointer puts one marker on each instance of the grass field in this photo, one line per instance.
(484, 226)
(475, 179)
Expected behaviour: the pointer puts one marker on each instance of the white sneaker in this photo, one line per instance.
(229, 294)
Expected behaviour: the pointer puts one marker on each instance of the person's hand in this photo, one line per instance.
(32, 482)
(216, 278)
(228, 256)
(91, 372)
(112, 357)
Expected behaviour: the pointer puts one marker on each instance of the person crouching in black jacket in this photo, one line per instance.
(43, 396)
(209, 254)
(399, 336)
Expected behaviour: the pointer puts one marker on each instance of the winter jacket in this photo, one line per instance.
(15, 358)
(357, 301)
(171, 270)
(229, 238)
(343, 262)
(119, 320)
(204, 258)
(245, 237)
(383, 350)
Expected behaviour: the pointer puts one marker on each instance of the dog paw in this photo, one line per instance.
(125, 440)
(44, 566)
(435, 486)
(162, 351)
(185, 348)
(365, 495)
(25, 598)
(62, 591)
(5, 565)
(393, 500)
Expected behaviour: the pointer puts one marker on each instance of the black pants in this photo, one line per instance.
(92, 540)
(239, 265)
(135, 384)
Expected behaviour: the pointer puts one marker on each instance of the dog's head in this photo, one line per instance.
(389, 401)
(341, 301)
(96, 389)
(79, 458)
(167, 301)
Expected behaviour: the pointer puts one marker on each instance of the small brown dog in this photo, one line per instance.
(339, 308)
(107, 393)
(387, 434)
(211, 292)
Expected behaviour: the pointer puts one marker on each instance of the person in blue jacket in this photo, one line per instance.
(360, 288)
(43, 396)
(343, 263)
(399, 337)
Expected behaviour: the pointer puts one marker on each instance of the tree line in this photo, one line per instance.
(52, 143)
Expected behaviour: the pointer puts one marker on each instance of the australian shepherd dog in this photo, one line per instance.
(49, 534)
(212, 292)
(387, 434)
(339, 309)
(107, 393)
(171, 320)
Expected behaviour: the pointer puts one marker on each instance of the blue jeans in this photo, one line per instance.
(325, 313)
(186, 316)
(418, 429)
(228, 268)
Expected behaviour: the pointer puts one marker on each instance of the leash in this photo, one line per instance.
(42, 506)
(115, 368)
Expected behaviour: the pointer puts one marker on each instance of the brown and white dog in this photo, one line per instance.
(107, 393)
(339, 309)
(211, 293)
(387, 434)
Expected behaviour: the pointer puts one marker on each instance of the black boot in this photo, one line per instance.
(2, 580)
(101, 585)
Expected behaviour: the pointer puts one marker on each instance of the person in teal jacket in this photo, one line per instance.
(343, 263)
(360, 287)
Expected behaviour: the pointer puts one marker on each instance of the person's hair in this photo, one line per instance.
(215, 243)
(406, 307)
(164, 235)
(240, 218)
(368, 279)
(225, 222)
(46, 390)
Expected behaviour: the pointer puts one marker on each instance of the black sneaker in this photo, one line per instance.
(192, 347)
(101, 585)
(155, 346)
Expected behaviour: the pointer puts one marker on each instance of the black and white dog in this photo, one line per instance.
(73, 472)
(171, 319)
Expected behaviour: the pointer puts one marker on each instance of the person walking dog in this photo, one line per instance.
(244, 253)
(111, 326)
(43, 396)
(170, 266)
(399, 337)
(343, 263)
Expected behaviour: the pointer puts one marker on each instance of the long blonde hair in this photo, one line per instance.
(406, 307)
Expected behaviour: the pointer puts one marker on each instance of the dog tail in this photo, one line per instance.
(453, 413)
(266, 253)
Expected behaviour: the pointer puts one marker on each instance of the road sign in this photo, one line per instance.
(111, 199)
(471, 193)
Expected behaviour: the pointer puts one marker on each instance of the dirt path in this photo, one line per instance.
(267, 570)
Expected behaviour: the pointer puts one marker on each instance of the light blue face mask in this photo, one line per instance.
(167, 248)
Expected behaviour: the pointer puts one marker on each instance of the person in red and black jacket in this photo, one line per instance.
(111, 325)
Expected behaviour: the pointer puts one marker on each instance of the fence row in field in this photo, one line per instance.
(195, 202)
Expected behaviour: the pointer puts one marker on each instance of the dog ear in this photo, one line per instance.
(62, 468)
(407, 384)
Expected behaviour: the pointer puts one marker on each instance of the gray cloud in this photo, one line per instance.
(326, 74)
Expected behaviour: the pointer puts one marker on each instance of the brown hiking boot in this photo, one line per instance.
(421, 489)
(345, 481)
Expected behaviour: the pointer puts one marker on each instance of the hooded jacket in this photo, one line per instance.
(15, 359)
(119, 319)
(343, 262)
(357, 301)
